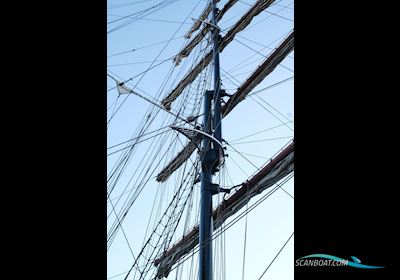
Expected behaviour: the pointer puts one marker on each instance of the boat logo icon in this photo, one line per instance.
(355, 259)
(329, 260)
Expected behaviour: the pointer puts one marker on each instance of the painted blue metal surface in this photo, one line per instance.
(210, 159)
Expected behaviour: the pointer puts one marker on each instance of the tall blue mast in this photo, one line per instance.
(210, 158)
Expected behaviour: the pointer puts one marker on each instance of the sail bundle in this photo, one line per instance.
(269, 64)
(182, 156)
(244, 21)
(200, 36)
(279, 167)
(197, 23)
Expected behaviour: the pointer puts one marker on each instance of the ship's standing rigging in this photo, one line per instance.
(155, 163)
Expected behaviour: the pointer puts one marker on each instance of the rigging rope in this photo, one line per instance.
(276, 256)
(189, 102)
(158, 55)
(256, 133)
(145, 47)
(239, 217)
(140, 14)
(245, 240)
(274, 14)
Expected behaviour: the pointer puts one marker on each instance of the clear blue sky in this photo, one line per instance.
(270, 224)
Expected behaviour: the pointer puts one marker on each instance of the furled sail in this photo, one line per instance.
(269, 64)
(200, 36)
(279, 167)
(197, 23)
(182, 156)
(239, 26)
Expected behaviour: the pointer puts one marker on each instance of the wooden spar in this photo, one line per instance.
(279, 167)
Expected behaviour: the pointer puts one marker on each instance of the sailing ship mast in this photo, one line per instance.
(210, 156)
(210, 159)
(209, 142)
(269, 64)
